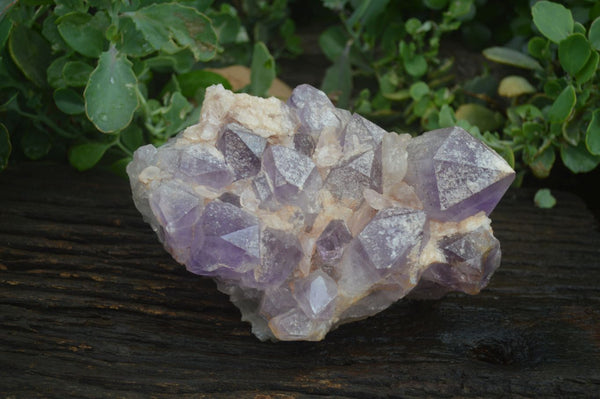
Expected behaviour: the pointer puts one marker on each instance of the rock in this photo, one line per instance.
(309, 216)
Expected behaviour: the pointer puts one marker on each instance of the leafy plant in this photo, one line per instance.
(531, 119)
(95, 79)
(544, 199)
(558, 113)
(397, 57)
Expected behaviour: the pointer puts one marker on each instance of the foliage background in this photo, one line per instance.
(520, 75)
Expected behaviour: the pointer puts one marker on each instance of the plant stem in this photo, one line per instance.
(50, 123)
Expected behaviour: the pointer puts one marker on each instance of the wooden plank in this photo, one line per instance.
(91, 306)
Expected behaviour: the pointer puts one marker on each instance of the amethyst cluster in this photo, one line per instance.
(309, 216)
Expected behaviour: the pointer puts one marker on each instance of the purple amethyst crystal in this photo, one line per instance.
(310, 217)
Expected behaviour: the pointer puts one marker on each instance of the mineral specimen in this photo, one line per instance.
(309, 216)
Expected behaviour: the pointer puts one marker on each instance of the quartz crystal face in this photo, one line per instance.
(309, 216)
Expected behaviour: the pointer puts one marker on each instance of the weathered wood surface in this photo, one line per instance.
(92, 307)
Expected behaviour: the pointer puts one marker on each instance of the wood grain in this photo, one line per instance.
(91, 306)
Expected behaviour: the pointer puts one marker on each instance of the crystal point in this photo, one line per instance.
(309, 216)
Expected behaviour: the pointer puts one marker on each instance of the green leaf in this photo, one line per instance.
(412, 26)
(84, 33)
(423, 106)
(35, 144)
(592, 135)
(54, 72)
(76, 73)
(514, 86)
(553, 20)
(193, 81)
(573, 53)
(399, 95)
(6, 25)
(171, 27)
(462, 10)
(594, 34)
(85, 156)
(532, 130)
(478, 115)
(335, 4)
(538, 47)
(227, 25)
(366, 11)
(435, 4)
(446, 116)
(5, 146)
(415, 64)
(50, 33)
(338, 81)
(262, 70)
(110, 95)
(66, 6)
(31, 53)
(589, 69)
(544, 199)
(542, 164)
(132, 137)
(553, 87)
(563, 105)
(131, 41)
(508, 56)
(120, 167)
(418, 90)
(333, 42)
(69, 101)
(578, 159)
(293, 43)
(176, 113)
(181, 62)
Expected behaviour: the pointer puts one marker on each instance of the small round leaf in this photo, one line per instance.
(83, 32)
(514, 86)
(418, 90)
(171, 27)
(86, 155)
(435, 4)
(563, 105)
(110, 95)
(544, 199)
(416, 66)
(542, 164)
(191, 82)
(553, 20)
(132, 137)
(333, 42)
(54, 72)
(76, 73)
(537, 47)
(592, 135)
(35, 144)
(31, 53)
(478, 115)
(69, 101)
(594, 34)
(573, 53)
(578, 159)
(589, 69)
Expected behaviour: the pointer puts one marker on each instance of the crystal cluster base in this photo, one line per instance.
(309, 216)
